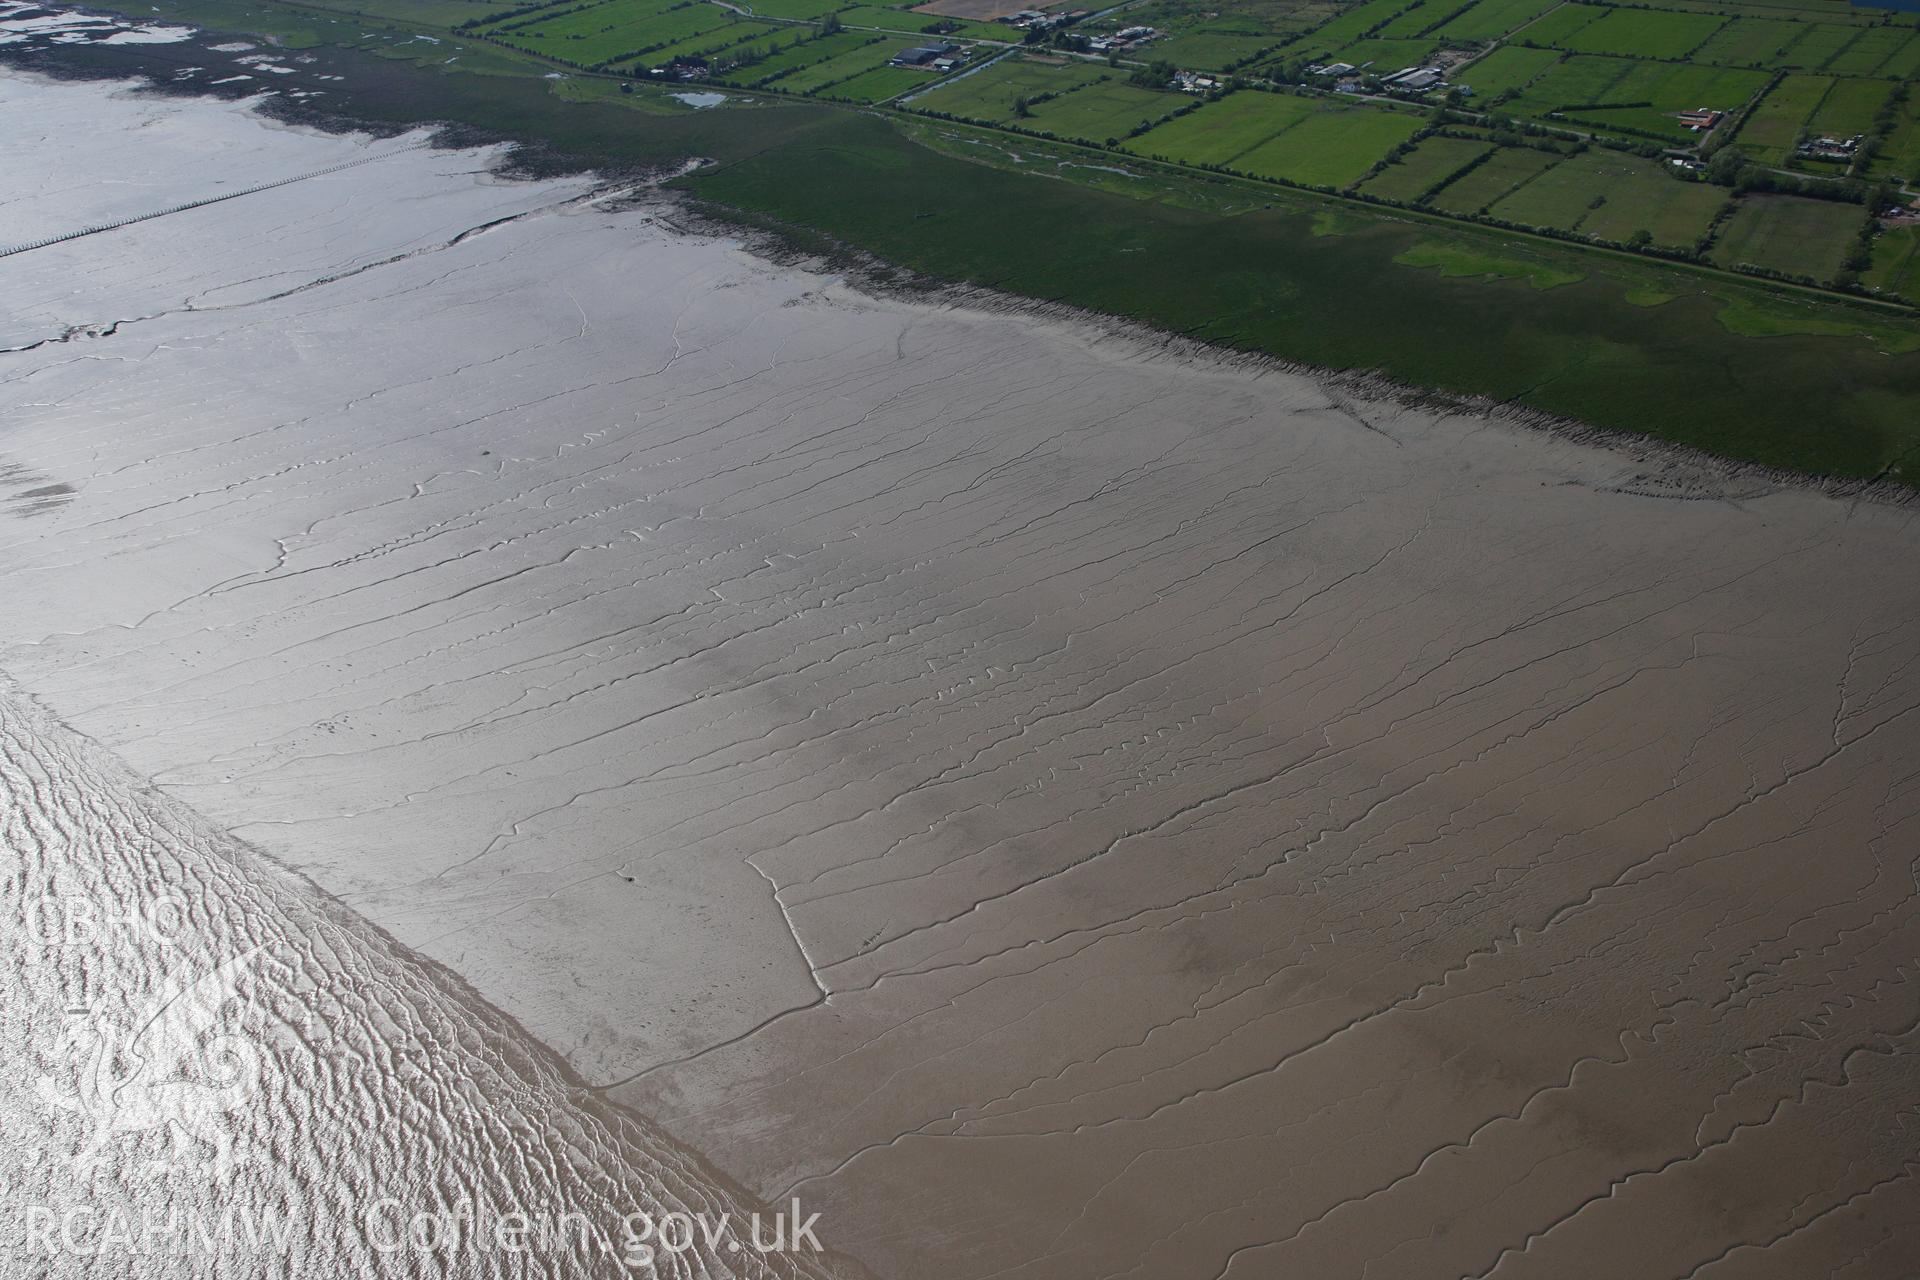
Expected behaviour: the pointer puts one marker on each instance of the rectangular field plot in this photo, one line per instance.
(1750, 42)
(1611, 196)
(876, 85)
(1330, 148)
(603, 33)
(1869, 51)
(794, 8)
(1561, 25)
(1425, 167)
(1789, 234)
(1506, 171)
(911, 23)
(786, 56)
(1220, 131)
(1896, 263)
(1215, 45)
(1644, 33)
(1849, 107)
(1385, 56)
(1633, 96)
(1508, 67)
(1900, 154)
(990, 94)
(1658, 90)
(1769, 132)
(1818, 45)
(1109, 110)
(1904, 64)
(1491, 19)
(1351, 25)
(845, 66)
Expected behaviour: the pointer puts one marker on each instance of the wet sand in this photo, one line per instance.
(1061, 804)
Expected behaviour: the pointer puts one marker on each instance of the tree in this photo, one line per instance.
(830, 24)
(1641, 239)
(1020, 108)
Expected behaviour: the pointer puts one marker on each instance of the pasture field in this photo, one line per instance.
(1769, 132)
(1216, 45)
(1220, 131)
(1657, 90)
(1869, 51)
(1818, 45)
(1896, 263)
(1424, 168)
(1387, 55)
(1644, 33)
(1508, 67)
(1904, 64)
(844, 66)
(1561, 197)
(604, 32)
(1638, 194)
(799, 9)
(1352, 25)
(990, 94)
(1849, 107)
(711, 44)
(1507, 170)
(1109, 109)
(876, 85)
(1420, 19)
(1900, 154)
(911, 23)
(1330, 148)
(1750, 42)
(791, 57)
(1788, 234)
(1491, 19)
(1554, 29)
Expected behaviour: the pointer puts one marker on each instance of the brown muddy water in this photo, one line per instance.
(517, 705)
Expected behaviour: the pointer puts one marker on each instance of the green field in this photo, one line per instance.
(1508, 169)
(1508, 67)
(1611, 196)
(1216, 44)
(1220, 131)
(1896, 263)
(1330, 148)
(1106, 110)
(788, 56)
(990, 94)
(1900, 153)
(1641, 33)
(1490, 19)
(842, 67)
(1788, 234)
(1769, 132)
(1634, 97)
(1750, 42)
(1387, 55)
(1818, 45)
(1849, 107)
(1557, 27)
(1352, 25)
(794, 8)
(1870, 51)
(1425, 167)
(600, 33)
(915, 23)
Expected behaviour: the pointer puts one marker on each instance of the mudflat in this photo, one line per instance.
(1060, 802)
